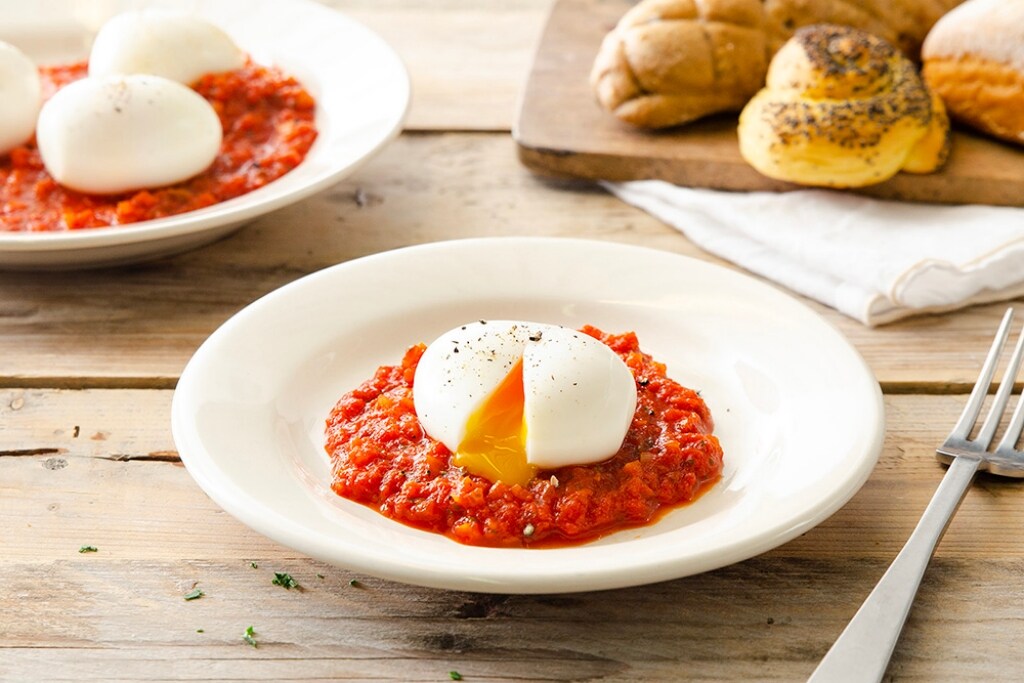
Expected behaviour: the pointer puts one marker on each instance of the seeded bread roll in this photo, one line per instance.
(668, 62)
(974, 59)
(842, 108)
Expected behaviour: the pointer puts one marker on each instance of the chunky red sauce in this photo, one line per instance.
(382, 458)
(268, 125)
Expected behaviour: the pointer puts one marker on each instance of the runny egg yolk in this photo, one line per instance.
(495, 443)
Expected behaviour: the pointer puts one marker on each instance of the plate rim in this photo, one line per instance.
(226, 493)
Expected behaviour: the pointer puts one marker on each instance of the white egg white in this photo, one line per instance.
(579, 397)
(19, 97)
(120, 133)
(163, 42)
(460, 369)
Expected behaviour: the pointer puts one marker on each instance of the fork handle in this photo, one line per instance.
(862, 652)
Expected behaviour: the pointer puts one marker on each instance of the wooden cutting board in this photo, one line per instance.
(561, 131)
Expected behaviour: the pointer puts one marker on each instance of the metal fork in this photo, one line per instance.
(862, 652)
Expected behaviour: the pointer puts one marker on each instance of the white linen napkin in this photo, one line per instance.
(875, 261)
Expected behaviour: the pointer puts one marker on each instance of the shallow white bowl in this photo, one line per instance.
(798, 412)
(360, 84)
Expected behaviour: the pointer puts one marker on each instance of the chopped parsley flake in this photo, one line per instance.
(254, 565)
(194, 593)
(455, 675)
(285, 580)
(199, 630)
(88, 549)
(319, 576)
(354, 583)
(248, 636)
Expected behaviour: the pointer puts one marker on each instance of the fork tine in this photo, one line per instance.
(995, 413)
(1013, 430)
(963, 426)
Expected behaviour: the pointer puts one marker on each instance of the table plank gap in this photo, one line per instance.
(86, 382)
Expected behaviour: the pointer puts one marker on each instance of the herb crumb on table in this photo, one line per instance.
(285, 581)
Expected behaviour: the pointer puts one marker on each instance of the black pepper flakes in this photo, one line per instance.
(850, 114)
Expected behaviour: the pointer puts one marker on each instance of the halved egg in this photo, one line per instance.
(163, 42)
(509, 398)
(121, 133)
(19, 97)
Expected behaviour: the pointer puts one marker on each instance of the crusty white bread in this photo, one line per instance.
(974, 59)
(668, 62)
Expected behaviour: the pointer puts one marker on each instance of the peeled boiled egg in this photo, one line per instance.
(120, 133)
(161, 42)
(509, 398)
(19, 97)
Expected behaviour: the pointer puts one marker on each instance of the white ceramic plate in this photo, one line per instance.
(798, 412)
(360, 84)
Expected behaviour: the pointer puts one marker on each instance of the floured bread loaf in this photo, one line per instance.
(974, 59)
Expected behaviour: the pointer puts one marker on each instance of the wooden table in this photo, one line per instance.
(89, 360)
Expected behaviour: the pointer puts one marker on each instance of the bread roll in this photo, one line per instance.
(668, 62)
(974, 59)
(842, 108)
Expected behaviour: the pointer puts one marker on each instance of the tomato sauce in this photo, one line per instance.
(268, 124)
(382, 458)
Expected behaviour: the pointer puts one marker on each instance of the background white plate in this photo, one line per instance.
(798, 412)
(360, 84)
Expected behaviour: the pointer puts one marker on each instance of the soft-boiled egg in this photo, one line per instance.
(121, 133)
(509, 398)
(19, 97)
(162, 42)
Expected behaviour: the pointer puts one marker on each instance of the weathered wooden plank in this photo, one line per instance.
(78, 616)
(137, 326)
(118, 485)
(771, 618)
(112, 425)
(468, 61)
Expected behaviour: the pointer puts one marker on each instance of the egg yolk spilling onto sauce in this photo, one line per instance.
(495, 443)
(511, 399)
